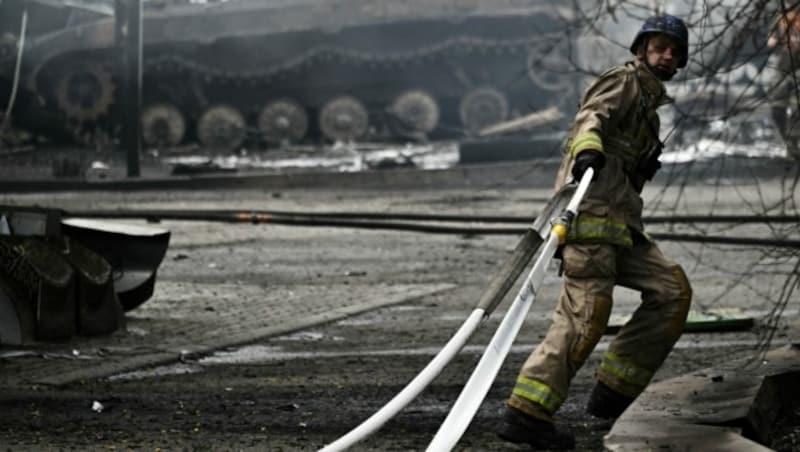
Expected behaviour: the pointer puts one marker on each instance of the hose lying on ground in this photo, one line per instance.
(211, 214)
(373, 220)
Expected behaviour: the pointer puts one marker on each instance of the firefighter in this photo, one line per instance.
(615, 132)
(782, 81)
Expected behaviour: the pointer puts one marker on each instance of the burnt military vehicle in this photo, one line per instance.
(222, 73)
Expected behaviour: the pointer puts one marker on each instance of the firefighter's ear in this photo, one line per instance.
(641, 49)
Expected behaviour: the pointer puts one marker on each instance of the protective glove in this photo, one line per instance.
(588, 158)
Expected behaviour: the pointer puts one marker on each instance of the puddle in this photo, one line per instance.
(407, 307)
(245, 355)
(161, 371)
(355, 321)
(307, 336)
(255, 354)
(259, 354)
(460, 317)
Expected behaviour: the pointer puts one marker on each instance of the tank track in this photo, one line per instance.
(307, 61)
(175, 65)
(326, 54)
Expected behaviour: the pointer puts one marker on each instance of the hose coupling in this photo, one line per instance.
(560, 225)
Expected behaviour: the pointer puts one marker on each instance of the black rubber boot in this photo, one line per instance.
(606, 403)
(518, 427)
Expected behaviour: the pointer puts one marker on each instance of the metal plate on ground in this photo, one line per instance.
(698, 322)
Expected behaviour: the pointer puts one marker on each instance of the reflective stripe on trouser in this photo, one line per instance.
(582, 312)
(625, 370)
(537, 392)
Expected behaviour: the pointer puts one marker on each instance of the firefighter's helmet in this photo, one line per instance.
(668, 25)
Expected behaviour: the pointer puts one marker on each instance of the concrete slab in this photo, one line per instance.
(715, 409)
(189, 319)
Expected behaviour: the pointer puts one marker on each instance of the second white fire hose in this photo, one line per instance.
(483, 376)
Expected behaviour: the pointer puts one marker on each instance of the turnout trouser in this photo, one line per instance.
(590, 273)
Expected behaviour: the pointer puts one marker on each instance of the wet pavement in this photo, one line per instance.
(191, 319)
(333, 322)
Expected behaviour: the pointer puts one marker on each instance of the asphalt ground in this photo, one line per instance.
(335, 321)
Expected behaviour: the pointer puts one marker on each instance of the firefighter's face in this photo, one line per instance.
(663, 53)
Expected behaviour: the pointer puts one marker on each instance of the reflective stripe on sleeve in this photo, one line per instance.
(588, 140)
(537, 392)
(626, 370)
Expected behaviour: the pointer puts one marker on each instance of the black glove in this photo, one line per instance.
(588, 158)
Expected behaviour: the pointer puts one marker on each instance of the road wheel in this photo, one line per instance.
(221, 127)
(283, 120)
(84, 92)
(414, 113)
(482, 107)
(343, 119)
(162, 125)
